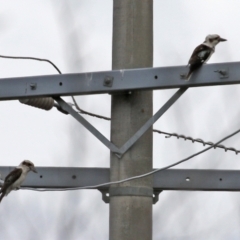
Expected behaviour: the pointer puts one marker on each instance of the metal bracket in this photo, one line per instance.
(120, 151)
(156, 195)
(105, 195)
(223, 73)
(129, 191)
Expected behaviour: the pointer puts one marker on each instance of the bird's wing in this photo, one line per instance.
(11, 178)
(200, 54)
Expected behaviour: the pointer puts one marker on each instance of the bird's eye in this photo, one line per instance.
(214, 39)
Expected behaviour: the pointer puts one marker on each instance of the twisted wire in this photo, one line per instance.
(81, 111)
(199, 140)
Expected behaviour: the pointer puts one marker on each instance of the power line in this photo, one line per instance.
(58, 70)
(139, 176)
(193, 140)
(33, 58)
(88, 113)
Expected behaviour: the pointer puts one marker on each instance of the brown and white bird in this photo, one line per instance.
(15, 178)
(202, 53)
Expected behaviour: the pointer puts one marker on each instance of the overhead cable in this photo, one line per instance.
(138, 176)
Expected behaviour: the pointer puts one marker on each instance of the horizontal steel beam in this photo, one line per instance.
(118, 80)
(173, 179)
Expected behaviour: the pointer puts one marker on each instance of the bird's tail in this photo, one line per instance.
(1, 197)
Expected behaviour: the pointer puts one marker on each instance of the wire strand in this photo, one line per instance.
(198, 140)
(46, 60)
(33, 58)
(139, 176)
(88, 113)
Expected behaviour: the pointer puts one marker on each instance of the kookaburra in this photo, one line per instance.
(15, 178)
(202, 53)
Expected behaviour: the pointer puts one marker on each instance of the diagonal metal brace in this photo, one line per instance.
(120, 151)
(66, 107)
(152, 120)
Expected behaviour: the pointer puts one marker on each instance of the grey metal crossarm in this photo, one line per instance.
(171, 179)
(118, 80)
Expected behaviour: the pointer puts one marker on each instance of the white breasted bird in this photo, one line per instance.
(202, 53)
(15, 178)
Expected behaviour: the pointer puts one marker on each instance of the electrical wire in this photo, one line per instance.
(88, 113)
(33, 58)
(178, 136)
(139, 176)
(81, 111)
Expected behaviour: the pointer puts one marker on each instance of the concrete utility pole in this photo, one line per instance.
(131, 202)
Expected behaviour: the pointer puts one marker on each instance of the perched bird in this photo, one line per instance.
(15, 178)
(202, 53)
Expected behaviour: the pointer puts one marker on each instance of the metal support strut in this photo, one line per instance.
(120, 151)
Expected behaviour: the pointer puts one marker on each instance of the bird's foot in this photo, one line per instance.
(184, 77)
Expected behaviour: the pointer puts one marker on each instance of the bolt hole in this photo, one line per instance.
(60, 84)
(156, 77)
(74, 177)
(187, 179)
(220, 179)
(40, 176)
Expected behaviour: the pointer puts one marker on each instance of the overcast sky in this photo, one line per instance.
(76, 36)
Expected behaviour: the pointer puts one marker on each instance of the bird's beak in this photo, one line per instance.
(222, 39)
(33, 169)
